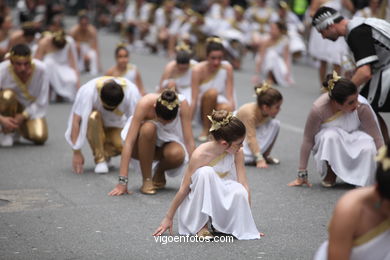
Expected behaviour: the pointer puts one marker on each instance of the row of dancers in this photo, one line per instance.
(155, 129)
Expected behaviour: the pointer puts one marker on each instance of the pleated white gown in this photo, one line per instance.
(216, 194)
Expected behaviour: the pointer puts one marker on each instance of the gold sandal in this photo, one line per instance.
(205, 233)
(158, 185)
(148, 187)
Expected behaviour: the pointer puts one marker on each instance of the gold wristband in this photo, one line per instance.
(76, 150)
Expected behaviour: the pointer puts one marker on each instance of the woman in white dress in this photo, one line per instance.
(360, 225)
(212, 85)
(177, 73)
(343, 134)
(159, 136)
(262, 128)
(215, 187)
(273, 62)
(125, 69)
(56, 52)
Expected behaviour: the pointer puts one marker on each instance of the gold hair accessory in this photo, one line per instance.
(263, 87)
(382, 158)
(214, 39)
(183, 47)
(189, 12)
(215, 125)
(333, 80)
(238, 9)
(283, 5)
(167, 104)
(59, 35)
(82, 12)
(121, 45)
(28, 25)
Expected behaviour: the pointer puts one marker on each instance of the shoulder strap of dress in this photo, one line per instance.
(217, 159)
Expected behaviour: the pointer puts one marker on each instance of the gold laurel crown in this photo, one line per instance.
(183, 47)
(170, 105)
(214, 39)
(332, 82)
(215, 125)
(262, 88)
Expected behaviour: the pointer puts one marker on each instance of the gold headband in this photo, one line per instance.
(170, 105)
(382, 158)
(283, 5)
(183, 47)
(239, 9)
(215, 125)
(332, 81)
(12, 56)
(121, 45)
(214, 39)
(263, 87)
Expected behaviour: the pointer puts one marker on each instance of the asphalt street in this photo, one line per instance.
(47, 212)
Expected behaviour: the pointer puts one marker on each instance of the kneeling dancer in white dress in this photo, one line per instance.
(262, 128)
(344, 135)
(215, 187)
(159, 136)
(99, 113)
(360, 225)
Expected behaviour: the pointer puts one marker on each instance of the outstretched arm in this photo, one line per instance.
(128, 146)
(241, 173)
(167, 222)
(78, 158)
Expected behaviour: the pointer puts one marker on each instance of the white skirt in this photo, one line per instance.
(62, 78)
(275, 64)
(265, 135)
(225, 202)
(350, 155)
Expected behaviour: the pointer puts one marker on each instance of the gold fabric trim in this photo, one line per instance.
(334, 117)
(222, 174)
(217, 159)
(23, 86)
(376, 231)
(212, 76)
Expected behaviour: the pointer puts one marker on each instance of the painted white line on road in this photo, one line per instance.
(292, 128)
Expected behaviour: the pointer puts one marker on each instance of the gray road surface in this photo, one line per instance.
(55, 214)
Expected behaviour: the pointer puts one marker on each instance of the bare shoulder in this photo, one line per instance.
(201, 156)
(92, 30)
(170, 65)
(227, 66)
(200, 66)
(73, 30)
(45, 41)
(351, 203)
(148, 100)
